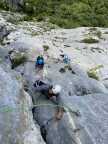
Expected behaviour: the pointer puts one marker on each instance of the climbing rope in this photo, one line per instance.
(7, 108)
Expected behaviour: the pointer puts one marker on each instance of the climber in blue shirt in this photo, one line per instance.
(39, 62)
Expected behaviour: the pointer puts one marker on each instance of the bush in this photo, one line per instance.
(98, 34)
(19, 59)
(67, 13)
(3, 5)
(90, 40)
(94, 31)
(46, 47)
(93, 74)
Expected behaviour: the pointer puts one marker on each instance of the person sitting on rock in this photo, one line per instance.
(39, 62)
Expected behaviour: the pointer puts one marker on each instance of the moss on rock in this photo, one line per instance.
(93, 74)
(90, 40)
(18, 60)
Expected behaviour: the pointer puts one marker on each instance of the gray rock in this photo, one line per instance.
(85, 118)
(5, 29)
(3, 32)
(16, 121)
(94, 114)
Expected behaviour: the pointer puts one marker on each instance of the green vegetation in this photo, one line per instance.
(92, 36)
(67, 13)
(3, 5)
(90, 40)
(93, 31)
(96, 67)
(46, 47)
(92, 73)
(19, 59)
(18, 77)
(70, 13)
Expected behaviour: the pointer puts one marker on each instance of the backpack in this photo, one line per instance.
(66, 59)
(40, 60)
(38, 83)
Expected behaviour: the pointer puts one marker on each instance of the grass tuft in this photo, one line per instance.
(18, 60)
(46, 47)
(90, 40)
(93, 74)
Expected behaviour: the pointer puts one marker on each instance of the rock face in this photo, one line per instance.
(3, 32)
(16, 121)
(5, 29)
(85, 101)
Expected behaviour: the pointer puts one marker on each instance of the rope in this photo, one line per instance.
(7, 108)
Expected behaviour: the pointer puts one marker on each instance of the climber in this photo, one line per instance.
(66, 59)
(39, 62)
(51, 92)
(47, 89)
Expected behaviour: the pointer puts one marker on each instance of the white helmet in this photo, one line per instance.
(56, 89)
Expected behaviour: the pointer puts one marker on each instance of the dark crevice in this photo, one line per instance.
(43, 128)
(62, 70)
(44, 131)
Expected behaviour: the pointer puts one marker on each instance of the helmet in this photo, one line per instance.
(56, 89)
